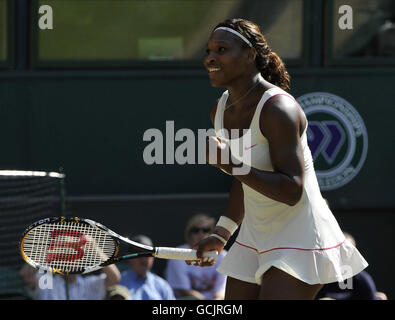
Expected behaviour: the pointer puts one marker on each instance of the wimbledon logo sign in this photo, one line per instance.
(337, 138)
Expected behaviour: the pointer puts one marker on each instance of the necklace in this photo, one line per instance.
(227, 107)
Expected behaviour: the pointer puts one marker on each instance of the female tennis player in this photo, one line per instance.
(289, 243)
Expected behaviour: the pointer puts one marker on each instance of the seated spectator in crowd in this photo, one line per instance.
(381, 296)
(194, 282)
(46, 286)
(118, 292)
(359, 287)
(141, 282)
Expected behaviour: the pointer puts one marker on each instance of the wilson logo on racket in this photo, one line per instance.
(55, 244)
(75, 245)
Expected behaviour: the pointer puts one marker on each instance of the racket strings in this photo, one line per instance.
(68, 246)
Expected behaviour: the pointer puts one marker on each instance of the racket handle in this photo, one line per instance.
(182, 254)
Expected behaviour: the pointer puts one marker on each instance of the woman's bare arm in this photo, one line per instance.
(281, 124)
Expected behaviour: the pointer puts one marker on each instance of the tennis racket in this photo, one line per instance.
(67, 245)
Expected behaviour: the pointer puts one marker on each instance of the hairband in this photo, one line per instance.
(235, 33)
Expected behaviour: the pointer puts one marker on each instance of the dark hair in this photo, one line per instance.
(268, 62)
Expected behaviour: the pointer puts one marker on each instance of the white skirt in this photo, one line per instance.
(313, 266)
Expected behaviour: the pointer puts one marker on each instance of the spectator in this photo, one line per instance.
(194, 282)
(381, 296)
(383, 42)
(141, 282)
(45, 286)
(118, 292)
(362, 286)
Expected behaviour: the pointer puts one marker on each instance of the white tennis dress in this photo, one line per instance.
(304, 240)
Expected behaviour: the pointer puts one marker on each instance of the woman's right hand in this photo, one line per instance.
(207, 244)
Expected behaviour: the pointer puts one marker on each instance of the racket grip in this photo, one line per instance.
(183, 254)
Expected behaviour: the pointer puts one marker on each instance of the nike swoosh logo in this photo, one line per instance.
(247, 148)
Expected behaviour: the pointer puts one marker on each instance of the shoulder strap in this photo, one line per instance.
(219, 114)
(268, 94)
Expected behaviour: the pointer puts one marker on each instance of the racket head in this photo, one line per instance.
(66, 245)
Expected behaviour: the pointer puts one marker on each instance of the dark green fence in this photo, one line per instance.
(93, 127)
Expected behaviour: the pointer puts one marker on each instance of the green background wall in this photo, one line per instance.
(93, 127)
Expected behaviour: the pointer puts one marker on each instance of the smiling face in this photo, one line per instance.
(227, 58)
